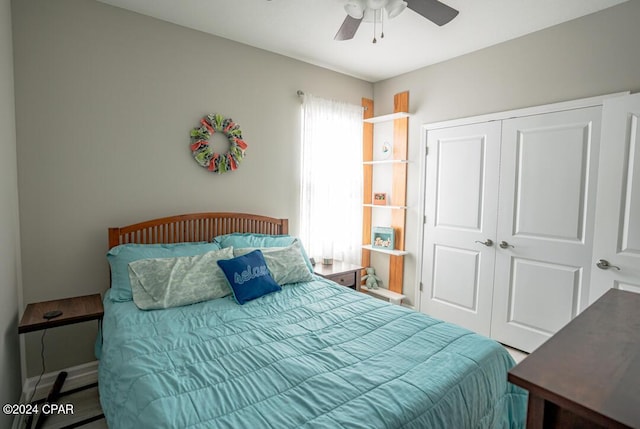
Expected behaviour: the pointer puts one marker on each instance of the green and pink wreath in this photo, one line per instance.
(205, 156)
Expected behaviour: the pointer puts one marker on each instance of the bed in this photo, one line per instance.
(311, 355)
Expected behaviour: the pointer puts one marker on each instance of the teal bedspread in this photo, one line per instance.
(315, 355)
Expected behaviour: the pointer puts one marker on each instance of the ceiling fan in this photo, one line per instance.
(373, 11)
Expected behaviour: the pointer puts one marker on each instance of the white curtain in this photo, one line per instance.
(331, 211)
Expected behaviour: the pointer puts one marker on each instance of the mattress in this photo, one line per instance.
(314, 355)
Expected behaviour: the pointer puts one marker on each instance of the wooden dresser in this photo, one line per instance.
(588, 374)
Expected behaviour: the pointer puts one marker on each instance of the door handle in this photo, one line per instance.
(504, 245)
(603, 264)
(487, 243)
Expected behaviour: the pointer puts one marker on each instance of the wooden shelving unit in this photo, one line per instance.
(398, 207)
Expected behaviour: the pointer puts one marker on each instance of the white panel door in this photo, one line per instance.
(545, 224)
(617, 230)
(461, 207)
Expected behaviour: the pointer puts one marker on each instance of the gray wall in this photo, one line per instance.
(9, 226)
(593, 55)
(105, 100)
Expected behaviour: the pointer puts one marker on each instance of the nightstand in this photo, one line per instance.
(344, 274)
(74, 310)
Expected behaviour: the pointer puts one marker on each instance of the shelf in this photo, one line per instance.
(385, 207)
(393, 297)
(386, 118)
(387, 161)
(388, 252)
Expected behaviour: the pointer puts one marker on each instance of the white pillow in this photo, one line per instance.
(286, 264)
(173, 282)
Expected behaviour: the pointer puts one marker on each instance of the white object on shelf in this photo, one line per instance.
(387, 251)
(393, 297)
(385, 118)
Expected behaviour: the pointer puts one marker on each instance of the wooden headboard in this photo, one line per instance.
(195, 227)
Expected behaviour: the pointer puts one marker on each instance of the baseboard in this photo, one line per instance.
(77, 376)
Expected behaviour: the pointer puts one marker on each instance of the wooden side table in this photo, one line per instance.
(588, 374)
(74, 310)
(344, 274)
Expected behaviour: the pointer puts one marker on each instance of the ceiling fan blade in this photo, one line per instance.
(435, 11)
(348, 28)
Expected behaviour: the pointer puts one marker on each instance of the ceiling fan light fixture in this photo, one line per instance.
(372, 15)
(373, 11)
(376, 4)
(355, 8)
(395, 7)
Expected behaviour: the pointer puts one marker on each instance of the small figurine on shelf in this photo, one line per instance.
(371, 279)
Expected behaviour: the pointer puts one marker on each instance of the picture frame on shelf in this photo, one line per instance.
(383, 237)
(379, 199)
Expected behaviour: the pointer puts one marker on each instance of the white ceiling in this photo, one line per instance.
(304, 29)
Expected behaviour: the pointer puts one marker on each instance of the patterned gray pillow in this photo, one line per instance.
(173, 282)
(286, 264)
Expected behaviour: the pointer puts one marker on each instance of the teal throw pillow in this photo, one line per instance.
(248, 276)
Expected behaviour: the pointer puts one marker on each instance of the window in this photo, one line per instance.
(331, 203)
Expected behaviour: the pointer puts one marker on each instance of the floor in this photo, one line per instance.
(517, 355)
(87, 404)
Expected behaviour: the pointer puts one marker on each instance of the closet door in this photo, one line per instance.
(460, 208)
(617, 232)
(545, 224)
